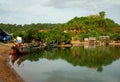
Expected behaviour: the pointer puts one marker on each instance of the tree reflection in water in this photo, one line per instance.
(94, 58)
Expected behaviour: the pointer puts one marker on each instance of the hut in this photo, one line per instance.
(92, 40)
(4, 36)
(104, 40)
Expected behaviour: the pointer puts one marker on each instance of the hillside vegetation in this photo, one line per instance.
(77, 28)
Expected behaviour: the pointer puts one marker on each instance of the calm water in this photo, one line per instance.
(75, 64)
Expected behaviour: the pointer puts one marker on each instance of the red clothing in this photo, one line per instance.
(13, 51)
(16, 50)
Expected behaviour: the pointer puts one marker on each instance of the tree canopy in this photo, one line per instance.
(78, 27)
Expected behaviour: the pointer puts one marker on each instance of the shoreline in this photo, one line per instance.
(7, 73)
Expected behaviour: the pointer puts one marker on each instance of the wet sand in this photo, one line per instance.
(7, 74)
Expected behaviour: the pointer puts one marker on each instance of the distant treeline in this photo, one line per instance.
(11, 28)
(77, 28)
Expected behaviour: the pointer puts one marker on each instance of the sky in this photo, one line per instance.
(55, 11)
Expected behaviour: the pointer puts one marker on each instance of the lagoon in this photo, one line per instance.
(75, 64)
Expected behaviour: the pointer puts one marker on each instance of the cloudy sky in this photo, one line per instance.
(55, 11)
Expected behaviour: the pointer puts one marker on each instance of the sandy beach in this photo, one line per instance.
(7, 74)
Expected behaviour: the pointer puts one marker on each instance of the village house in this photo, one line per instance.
(4, 36)
(104, 40)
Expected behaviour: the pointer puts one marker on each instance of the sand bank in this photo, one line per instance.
(7, 74)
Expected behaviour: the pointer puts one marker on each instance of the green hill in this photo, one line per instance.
(78, 28)
(92, 22)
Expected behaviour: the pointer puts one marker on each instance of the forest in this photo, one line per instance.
(77, 28)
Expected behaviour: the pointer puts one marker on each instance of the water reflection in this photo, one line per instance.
(18, 58)
(94, 58)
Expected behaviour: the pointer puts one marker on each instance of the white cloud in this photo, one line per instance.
(114, 2)
(28, 11)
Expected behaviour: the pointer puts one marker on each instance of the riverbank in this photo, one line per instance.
(7, 74)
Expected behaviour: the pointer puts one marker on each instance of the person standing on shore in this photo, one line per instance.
(15, 50)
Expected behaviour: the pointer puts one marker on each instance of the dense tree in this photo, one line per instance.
(78, 27)
(102, 14)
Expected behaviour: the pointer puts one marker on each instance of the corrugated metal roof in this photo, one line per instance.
(3, 33)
